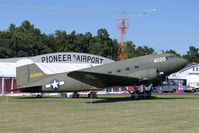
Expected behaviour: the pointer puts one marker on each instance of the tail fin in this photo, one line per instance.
(28, 74)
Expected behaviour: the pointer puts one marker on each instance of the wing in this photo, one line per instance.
(101, 80)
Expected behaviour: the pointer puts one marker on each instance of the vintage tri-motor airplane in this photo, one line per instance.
(147, 70)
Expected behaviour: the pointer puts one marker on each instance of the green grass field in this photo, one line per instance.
(107, 114)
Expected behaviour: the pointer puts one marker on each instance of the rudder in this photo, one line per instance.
(28, 74)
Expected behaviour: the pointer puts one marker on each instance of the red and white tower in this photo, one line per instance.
(122, 50)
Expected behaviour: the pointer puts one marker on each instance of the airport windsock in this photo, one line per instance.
(179, 88)
(182, 90)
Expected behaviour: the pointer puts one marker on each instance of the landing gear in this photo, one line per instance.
(75, 95)
(136, 95)
(39, 95)
(141, 95)
(148, 94)
(92, 94)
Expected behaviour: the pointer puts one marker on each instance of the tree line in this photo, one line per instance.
(26, 40)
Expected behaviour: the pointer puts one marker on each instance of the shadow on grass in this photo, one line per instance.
(32, 97)
(112, 99)
(123, 99)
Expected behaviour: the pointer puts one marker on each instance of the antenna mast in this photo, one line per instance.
(122, 50)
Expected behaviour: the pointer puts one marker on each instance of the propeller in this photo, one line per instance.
(162, 78)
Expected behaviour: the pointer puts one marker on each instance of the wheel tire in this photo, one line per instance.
(38, 96)
(135, 97)
(197, 90)
(148, 93)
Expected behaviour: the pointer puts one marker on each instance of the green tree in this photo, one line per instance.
(192, 55)
(26, 40)
(5, 41)
(173, 52)
(143, 51)
(131, 49)
(102, 45)
(61, 41)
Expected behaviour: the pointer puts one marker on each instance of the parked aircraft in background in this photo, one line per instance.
(147, 70)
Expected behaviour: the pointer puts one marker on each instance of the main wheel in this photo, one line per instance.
(197, 90)
(148, 93)
(135, 96)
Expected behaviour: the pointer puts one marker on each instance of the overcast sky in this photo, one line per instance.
(160, 24)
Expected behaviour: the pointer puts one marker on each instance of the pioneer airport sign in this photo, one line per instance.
(70, 57)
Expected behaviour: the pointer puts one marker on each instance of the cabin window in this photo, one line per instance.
(118, 70)
(136, 67)
(170, 57)
(109, 72)
(127, 69)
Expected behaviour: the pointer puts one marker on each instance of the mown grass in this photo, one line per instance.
(107, 114)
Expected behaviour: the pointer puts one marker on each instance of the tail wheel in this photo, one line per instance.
(39, 96)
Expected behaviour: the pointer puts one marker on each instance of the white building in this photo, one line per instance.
(49, 63)
(189, 73)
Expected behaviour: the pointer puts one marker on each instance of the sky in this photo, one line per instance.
(160, 24)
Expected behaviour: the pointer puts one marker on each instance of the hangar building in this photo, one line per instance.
(49, 63)
(190, 74)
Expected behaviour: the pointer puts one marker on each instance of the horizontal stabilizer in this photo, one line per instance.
(101, 80)
(28, 89)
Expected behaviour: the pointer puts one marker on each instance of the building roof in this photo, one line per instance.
(63, 57)
(189, 66)
(53, 62)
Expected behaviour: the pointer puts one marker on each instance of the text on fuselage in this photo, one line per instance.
(159, 59)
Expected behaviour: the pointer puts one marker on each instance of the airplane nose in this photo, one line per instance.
(183, 62)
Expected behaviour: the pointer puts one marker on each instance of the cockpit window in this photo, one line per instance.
(170, 57)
